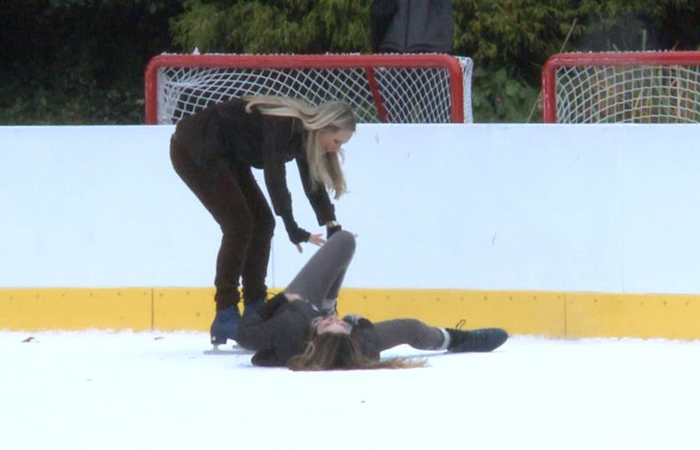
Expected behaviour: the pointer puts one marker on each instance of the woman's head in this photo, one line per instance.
(328, 127)
(333, 347)
(333, 141)
(330, 324)
(330, 351)
(331, 116)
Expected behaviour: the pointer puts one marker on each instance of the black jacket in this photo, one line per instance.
(281, 330)
(411, 26)
(226, 131)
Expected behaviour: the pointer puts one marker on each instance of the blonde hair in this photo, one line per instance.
(333, 116)
(336, 351)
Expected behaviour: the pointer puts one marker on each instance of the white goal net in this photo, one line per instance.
(423, 88)
(629, 87)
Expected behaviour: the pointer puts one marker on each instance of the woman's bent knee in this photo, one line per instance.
(345, 239)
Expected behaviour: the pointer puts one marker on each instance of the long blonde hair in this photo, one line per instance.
(325, 168)
(336, 351)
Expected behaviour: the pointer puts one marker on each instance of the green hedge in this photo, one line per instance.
(79, 61)
(89, 67)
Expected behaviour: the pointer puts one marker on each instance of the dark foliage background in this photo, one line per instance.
(82, 61)
(79, 61)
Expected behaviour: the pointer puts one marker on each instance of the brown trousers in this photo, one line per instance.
(230, 193)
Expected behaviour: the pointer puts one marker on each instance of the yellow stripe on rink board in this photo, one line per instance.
(183, 309)
(76, 309)
(643, 316)
(551, 314)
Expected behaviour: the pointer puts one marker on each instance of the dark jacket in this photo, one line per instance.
(225, 131)
(281, 330)
(411, 26)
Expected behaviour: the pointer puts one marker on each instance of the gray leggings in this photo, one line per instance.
(319, 281)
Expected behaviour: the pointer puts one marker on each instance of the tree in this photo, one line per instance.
(79, 61)
(274, 26)
(82, 61)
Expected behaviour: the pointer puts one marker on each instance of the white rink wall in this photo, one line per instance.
(609, 208)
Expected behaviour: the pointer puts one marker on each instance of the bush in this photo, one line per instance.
(88, 65)
(89, 68)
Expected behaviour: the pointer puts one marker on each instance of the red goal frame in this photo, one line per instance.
(369, 63)
(666, 58)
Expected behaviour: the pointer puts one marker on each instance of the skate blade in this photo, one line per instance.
(235, 350)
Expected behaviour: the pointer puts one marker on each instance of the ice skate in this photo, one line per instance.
(225, 326)
(481, 340)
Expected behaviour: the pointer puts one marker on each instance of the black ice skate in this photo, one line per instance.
(225, 326)
(482, 340)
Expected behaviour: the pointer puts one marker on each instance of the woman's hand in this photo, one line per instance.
(316, 239)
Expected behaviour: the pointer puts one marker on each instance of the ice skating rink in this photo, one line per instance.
(560, 210)
(102, 390)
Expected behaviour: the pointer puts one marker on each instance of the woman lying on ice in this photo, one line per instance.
(298, 328)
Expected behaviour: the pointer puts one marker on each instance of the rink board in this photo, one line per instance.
(551, 314)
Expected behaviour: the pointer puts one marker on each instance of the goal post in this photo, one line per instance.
(622, 87)
(395, 88)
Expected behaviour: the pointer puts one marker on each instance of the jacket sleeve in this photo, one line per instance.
(269, 307)
(318, 197)
(257, 331)
(364, 333)
(275, 340)
(261, 336)
(266, 358)
(276, 135)
(254, 334)
(277, 132)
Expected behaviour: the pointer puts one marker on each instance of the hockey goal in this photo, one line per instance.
(415, 88)
(627, 87)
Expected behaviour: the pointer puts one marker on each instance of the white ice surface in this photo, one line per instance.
(101, 390)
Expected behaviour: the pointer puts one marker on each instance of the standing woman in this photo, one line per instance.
(213, 152)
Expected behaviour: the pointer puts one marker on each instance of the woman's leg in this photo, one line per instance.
(423, 337)
(258, 256)
(218, 190)
(412, 332)
(322, 276)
